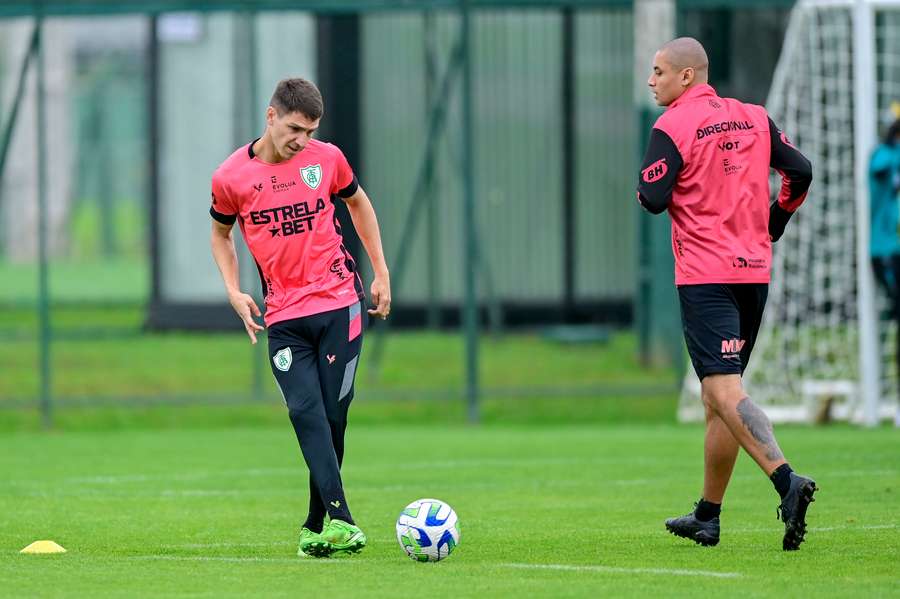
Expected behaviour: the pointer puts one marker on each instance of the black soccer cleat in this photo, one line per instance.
(792, 510)
(688, 527)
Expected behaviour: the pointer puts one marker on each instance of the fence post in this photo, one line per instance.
(470, 297)
(43, 274)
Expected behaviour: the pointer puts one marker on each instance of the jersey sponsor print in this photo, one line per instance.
(708, 163)
(286, 215)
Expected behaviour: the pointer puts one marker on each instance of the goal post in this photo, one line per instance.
(865, 101)
(823, 349)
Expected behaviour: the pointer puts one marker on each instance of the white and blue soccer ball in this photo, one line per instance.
(428, 530)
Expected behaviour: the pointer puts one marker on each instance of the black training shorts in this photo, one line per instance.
(314, 359)
(720, 322)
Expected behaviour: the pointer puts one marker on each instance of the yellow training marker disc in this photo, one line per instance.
(44, 547)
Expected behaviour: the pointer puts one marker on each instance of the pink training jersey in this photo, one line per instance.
(708, 163)
(286, 214)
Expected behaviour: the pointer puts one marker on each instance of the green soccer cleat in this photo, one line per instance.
(341, 538)
(306, 538)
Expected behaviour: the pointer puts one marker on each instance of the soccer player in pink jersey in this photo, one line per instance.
(707, 163)
(281, 190)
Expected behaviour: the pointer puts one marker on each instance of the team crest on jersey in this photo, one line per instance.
(311, 175)
(283, 359)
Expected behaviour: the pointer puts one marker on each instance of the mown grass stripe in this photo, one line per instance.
(622, 570)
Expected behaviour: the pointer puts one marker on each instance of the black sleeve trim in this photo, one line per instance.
(250, 151)
(225, 219)
(778, 220)
(350, 189)
(659, 172)
(793, 166)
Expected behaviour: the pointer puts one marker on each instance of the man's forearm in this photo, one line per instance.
(366, 223)
(226, 259)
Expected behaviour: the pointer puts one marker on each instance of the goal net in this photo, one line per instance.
(826, 347)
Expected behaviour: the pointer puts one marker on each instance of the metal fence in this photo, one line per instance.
(498, 140)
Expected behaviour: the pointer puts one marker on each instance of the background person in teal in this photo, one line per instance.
(884, 184)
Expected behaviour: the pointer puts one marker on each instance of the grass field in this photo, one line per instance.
(164, 477)
(100, 356)
(554, 511)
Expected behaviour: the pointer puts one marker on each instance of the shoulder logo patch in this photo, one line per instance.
(311, 175)
(655, 171)
(283, 359)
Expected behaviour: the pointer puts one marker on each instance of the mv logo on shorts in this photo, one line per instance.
(282, 359)
(732, 347)
(311, 175)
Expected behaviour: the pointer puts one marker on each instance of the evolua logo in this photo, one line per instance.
(655, 171)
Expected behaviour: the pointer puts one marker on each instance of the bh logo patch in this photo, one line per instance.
(311, 175)
(283, 359)
(655, 171)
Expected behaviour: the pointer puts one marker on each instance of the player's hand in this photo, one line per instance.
(381, 296)
(246, 309)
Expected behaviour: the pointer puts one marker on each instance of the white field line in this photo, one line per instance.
(294, 492)
(444, 464)
(477, 463)
(114, 479)
(228, 545)
(816, 528)
(222, 492)
(236, 545)
(203, 558)
(621, 570)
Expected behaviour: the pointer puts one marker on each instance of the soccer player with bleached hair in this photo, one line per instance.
(281, 189)
(707, 163)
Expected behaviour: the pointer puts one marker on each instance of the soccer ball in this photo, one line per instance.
(427, 530)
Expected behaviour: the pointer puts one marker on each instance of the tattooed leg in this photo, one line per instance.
(760, 427)
(746, 421)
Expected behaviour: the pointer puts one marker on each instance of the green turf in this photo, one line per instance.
(115, 279)
(564, 511)
(100, 355)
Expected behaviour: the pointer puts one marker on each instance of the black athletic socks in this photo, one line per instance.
(781, 478)
(341, 514)
(314, 525)
(706, 511)
(337, 510)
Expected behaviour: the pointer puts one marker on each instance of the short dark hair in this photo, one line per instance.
(298, 95)
(893, 133)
